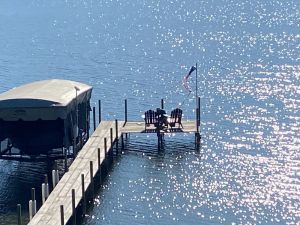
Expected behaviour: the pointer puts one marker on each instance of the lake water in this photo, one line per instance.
(248, 169)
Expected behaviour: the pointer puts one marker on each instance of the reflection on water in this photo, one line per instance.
(248, 56)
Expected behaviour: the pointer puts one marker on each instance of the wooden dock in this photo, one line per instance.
(87, 164)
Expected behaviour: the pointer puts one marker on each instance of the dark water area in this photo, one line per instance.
(248, 169)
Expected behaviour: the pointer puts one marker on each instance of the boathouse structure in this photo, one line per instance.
(44, 117)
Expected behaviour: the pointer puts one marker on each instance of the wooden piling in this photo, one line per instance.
(56, 177)
(83, 195)
(99, 158)
(99, 166)
(91, 177)
(99, 111)
(19, 214)
(125, 111)
(94, 117)
(162, 103)
(73, 207)
(43, 193)
(105, 147)
(46, 186)
(111, 153)
(46, 179)
(30, 206)
(122, 141)
(53, 179)
(33, 201)
(117, 135)
(62, 216)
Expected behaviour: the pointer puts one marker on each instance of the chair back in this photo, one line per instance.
(150, 117)
(176, 115)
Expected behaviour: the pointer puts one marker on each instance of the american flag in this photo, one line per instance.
(185, 79)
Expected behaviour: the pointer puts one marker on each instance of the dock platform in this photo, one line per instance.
(59, 206)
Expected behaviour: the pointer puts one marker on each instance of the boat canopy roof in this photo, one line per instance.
(36, 97)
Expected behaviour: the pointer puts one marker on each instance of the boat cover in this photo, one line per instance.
(44, 100)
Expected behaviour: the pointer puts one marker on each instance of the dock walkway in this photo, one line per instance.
(49, 213)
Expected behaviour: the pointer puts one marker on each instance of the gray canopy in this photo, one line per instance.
(45, 100)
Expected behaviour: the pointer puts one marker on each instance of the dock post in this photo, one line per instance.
(125, 111)
(111, 153)
(83, 195)
(99, 109)
(99, 166)
(122, 140)
(94, 117)
(91, 177)
(99, 158)
(56, 177)
(162, 103)
(30, 209)
(43, 193)
(105, 147)
(73, 207)
(117, 135)
(33, 201)
(47, 186)
(53, 179)
(62, 216)
(19, 212)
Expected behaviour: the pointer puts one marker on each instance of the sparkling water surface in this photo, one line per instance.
(248, 169)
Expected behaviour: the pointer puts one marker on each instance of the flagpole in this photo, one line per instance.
(196, 83)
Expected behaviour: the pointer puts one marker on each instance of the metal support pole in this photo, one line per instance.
(62, 216)
(83, 195)
(73, 207)
(99, 109)
(125, 110)
(162, 103)
(19, 213)
(117, 135)
(94, 117)
(92, 177)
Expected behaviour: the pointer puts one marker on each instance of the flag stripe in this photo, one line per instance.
(185, 84)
